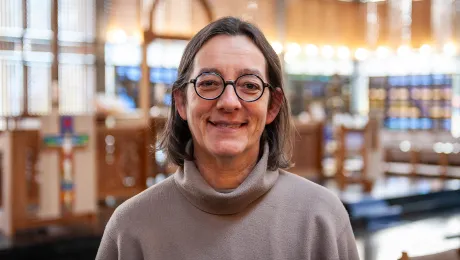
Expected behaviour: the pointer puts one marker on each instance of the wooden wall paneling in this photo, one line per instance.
(123, 15)
(421, 23)
(325, 22)
(349, 24)
(222, 8)
(356, 24)
(382, 12)
(312, 22)
(329, 32)
(198, 18)
(266, 19)
(300, 22)
(456, 22)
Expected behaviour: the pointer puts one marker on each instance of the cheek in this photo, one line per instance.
(198, 111)
(259, 116)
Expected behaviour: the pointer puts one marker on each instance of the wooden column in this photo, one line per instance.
(55, 52)
(443, 164)
(25, 77)
(101, 28)
(281, 36)
(414, 160)
(144, 91)
(281, 20)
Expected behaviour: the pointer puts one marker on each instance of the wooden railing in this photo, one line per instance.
(425, 154)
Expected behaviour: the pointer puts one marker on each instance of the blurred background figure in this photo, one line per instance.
(85, 88)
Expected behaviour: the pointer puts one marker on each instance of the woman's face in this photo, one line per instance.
(227, 126)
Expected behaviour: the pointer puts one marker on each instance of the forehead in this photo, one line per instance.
(230, 55)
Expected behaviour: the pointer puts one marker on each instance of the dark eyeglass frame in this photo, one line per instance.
(230, 82)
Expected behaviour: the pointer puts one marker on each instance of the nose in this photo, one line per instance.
(228, 101)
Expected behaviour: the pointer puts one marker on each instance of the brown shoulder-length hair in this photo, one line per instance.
(278, 134)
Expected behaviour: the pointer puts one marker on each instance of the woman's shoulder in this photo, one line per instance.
(145, 204)
(301, 186)
(309, 197)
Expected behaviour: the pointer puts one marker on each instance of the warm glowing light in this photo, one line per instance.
(403, 50)
(361, 54)
(327, 51)
(405, 146)
(425, 49)
(138, 37)
(278, 47)
(438, 147)
(116, 36)
(450, 49)
(293, 48)
(343, 52)
(455, 130)
(252, 5)
(383, 52)
(289, 57)
(311, 50)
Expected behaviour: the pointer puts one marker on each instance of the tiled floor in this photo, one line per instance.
(417, 236)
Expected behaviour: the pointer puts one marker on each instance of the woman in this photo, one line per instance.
(228, 129)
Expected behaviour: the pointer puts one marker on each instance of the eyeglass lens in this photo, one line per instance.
(247, 87)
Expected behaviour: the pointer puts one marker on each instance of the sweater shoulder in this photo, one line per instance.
(142, 206)
(299, 186)
(303, 195)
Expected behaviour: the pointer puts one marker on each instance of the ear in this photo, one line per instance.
(179, 102)
(275, 105)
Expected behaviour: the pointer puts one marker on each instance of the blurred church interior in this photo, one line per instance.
(374, 88)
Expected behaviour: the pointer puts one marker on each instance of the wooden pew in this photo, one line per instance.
(22, 158)
(420, 148)
(309, 150)
(341, 176)
(20, 188)
(123, 161)
(33, 163)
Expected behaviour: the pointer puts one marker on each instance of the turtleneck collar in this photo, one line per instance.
(203, 196)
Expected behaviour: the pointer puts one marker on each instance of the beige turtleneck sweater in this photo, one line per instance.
(271, 215)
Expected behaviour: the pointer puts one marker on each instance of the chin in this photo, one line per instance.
(227, 148)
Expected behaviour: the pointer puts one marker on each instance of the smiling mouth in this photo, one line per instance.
(227, 125)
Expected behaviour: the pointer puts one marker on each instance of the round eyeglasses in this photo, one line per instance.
(211, 85)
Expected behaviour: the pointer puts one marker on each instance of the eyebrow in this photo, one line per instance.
(240, 72)
(214, 70)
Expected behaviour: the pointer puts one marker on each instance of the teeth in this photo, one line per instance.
(228, 125)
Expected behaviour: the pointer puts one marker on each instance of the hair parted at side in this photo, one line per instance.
(278, 134)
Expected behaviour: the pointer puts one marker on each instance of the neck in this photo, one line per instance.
(225, 173)
(201, 194)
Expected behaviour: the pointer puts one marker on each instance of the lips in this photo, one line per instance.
(227, 124)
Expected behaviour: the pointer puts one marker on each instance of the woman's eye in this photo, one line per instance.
(208, 83)
(251, 86)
